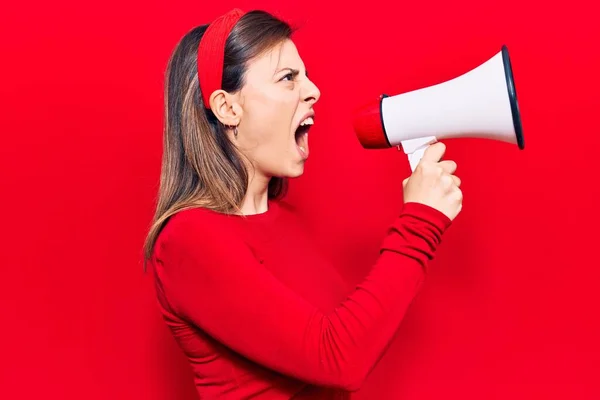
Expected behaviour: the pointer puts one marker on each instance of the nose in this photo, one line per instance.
(310, 92)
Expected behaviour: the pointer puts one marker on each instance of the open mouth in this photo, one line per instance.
(301, 135)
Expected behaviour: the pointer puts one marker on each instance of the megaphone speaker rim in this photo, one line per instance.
(512, 95)
(385, 135)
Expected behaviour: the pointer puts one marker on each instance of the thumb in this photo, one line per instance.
(434, 152)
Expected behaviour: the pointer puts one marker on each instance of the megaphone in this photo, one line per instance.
(482, 103)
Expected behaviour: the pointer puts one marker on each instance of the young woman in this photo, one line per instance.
(254, 308)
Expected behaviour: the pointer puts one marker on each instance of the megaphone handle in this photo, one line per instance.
(415, 149)
(415, 157)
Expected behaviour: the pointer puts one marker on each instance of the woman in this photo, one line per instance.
(254, 308)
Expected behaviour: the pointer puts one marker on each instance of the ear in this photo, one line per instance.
(226, 108)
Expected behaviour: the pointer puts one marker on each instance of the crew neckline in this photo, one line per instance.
(270, 213)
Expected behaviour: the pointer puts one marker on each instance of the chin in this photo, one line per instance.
(290, 168)
(295, 170)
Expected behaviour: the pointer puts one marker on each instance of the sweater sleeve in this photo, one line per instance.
(213, 281)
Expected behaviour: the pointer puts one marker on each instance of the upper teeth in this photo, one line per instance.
(307, 121)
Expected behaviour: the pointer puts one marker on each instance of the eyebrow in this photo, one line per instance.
(294, 72)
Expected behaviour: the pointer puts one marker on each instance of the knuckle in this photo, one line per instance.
(425, 169)
(458, 194)
(446, 181)
(434, 171)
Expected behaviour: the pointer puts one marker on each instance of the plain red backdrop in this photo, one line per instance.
(511, 307)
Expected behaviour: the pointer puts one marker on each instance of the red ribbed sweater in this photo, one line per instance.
(260, 314)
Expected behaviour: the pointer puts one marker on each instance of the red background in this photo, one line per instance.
(511, 307)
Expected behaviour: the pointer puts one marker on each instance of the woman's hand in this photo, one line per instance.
(433, 183)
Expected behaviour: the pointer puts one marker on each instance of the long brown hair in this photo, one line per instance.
(200, 165)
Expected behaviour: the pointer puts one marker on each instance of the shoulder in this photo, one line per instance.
(200, 221)
(196, 229)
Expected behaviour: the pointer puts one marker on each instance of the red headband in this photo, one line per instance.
(211, 53)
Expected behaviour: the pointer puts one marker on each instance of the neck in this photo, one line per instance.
(256, 199)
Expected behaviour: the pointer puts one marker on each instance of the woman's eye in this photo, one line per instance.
(289, 76)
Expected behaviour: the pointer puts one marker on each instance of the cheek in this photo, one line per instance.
(269, 118)
(275, 118)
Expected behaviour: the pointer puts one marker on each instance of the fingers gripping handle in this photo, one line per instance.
(415, 149)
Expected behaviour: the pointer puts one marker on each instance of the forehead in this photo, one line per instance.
(281, 56)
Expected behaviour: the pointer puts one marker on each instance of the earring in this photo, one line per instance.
(235, 130)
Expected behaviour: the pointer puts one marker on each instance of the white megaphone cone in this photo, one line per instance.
(481, 103)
